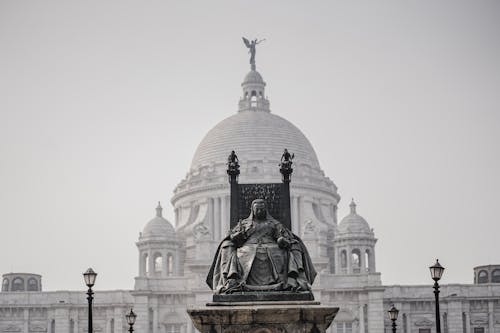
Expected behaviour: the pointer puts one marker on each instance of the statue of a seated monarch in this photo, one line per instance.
(260, 254)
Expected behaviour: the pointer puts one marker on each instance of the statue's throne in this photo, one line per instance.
(276, 195)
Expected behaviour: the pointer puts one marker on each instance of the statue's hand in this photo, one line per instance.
(283, 243)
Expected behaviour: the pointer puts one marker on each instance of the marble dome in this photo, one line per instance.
(254, 135)
(354, 223)
(158, 226)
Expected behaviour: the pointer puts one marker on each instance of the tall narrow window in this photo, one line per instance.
(146, 263)
(71, 326)
(356, 261)
(158, 263)
(367, 261)
(5, 284)
(170, 264)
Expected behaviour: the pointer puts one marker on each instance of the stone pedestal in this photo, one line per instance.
(263, 317)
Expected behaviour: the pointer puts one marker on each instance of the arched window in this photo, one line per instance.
(5, 284)
(170, 264)
(145, 262)
(112, 326)
(343, 259)
(253, 98)
(17, 284)
(495, 276)
(72, 326)
(53, 326)
(367, 260)
(482, 277)
(356, 261)
(32, 284)
(158, 263)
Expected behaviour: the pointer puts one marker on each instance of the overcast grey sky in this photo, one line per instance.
(103, 104)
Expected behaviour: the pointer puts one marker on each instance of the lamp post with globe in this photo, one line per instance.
(393, 316)
(89, 276)
(131, 316)
(436, 273)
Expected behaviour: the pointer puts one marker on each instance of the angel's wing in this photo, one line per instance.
(246, 41)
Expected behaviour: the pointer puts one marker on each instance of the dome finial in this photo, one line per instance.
(353, 206)
(159, 210)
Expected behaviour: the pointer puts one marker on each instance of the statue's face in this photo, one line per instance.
(259, 211)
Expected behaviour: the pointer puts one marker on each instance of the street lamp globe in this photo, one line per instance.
(436, 271)
(131, 317)
(89, 277)
(393, 313)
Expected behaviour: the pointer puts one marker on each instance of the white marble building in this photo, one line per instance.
(173, 259)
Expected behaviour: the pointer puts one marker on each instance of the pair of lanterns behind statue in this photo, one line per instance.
(233, 166)
(90, 276)
(436, 274)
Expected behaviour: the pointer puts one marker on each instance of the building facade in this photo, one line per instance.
(173, 259)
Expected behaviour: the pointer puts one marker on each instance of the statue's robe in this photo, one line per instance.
(261, 255)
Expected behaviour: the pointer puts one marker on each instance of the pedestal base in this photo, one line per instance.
(268, 317)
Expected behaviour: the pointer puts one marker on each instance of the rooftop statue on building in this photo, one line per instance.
(260, 254)
(251, 49)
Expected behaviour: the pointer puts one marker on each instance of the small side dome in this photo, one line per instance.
(354, 223)
(158, 226)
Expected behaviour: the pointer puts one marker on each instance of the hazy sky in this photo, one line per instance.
(103, 104)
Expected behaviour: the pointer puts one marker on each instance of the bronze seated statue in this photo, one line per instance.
(260, 254)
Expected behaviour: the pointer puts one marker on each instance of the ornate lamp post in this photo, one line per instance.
(89, 277)
(131, 320)
(393, 315)
(436, 273)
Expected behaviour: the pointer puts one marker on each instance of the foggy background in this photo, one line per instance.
(103, 103)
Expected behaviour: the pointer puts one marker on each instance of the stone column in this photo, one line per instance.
(361, 319)
(362, 260)
(141, 268)
(151, 263)
(119, 317)
(491, 319)
(76, 328)
(372, 260)
(164, 266)
(26, 315)
(217, 219)
(349, 260)
(155, 318)
(211, 217)
(467, 322)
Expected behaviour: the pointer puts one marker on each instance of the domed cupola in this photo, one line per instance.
(354, 223)
(354, 245)
(158, 227)
(158, 250)
(254, 98)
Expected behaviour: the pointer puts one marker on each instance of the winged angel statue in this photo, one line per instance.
(251, 49)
